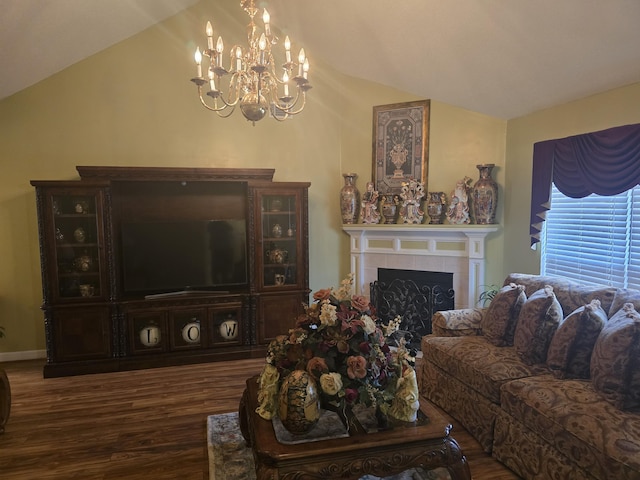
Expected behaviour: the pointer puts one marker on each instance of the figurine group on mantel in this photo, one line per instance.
(466, 204)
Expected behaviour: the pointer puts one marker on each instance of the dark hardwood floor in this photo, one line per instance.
(143, 424)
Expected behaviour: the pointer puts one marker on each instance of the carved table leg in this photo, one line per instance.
(460, 469)
(243, 418)
(264, 472)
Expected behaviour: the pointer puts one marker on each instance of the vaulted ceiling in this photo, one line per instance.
(504, 58)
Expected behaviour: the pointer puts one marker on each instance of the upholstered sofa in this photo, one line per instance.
(547, 377)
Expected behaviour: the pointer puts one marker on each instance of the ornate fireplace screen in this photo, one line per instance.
(415, 304)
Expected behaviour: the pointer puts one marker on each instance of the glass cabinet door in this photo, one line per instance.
(281, 256)
(78, 245)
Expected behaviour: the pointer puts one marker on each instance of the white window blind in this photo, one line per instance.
(633, 264)
(594, 240)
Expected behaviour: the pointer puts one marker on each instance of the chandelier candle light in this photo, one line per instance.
(252, 78)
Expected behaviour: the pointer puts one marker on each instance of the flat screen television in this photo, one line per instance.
(179, 256)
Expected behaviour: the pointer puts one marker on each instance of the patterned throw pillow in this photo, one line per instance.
(538, 320)
(615, 365)
(499, 321)
(569, 354)
(624, 295)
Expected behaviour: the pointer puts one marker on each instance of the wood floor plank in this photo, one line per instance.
(137, 425)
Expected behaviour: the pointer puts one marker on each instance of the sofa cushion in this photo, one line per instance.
(569, 354)
(458, 323)
(615, 363)
(538, 320)
(499, 321)
(572, 417)
(475, 362)
(569, 293)
(624, 295)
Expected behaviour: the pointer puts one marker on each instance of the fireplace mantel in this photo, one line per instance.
(445, 248)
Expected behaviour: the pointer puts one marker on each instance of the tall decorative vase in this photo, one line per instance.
(299, 402)
(349, 199)
(485, 196)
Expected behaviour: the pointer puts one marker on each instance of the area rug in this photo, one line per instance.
(230, 459)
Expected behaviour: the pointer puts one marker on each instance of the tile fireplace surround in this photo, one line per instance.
(439, 248)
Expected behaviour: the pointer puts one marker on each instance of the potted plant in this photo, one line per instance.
(487, 295)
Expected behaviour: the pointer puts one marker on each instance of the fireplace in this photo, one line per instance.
(415, 296)
(455, 249)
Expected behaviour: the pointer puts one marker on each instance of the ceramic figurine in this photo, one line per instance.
(406, 402)
(458, 212)
(369, 205)
(411, 195)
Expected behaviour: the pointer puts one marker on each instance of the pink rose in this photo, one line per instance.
(323, 294)
(356, 367)
(360, 303)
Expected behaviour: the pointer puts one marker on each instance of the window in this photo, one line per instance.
(594, 240)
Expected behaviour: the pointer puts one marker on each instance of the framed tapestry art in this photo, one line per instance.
(400, 145)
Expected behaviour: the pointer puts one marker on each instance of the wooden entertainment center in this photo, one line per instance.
(146, 267)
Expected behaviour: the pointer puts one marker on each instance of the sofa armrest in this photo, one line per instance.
(457, 323)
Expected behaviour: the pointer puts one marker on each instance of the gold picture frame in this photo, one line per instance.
(400, 145)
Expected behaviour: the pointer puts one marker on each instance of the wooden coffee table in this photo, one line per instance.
(382, 453)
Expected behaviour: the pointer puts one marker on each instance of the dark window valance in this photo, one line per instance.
(605, 162)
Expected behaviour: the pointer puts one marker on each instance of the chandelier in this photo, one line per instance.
(252, 79)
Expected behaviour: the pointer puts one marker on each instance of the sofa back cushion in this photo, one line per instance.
(537, 322)
(624, 295)
(499, 321)
(615, 365)
(569, 354)
(569, 293)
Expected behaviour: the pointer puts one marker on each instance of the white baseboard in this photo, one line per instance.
(25, 355)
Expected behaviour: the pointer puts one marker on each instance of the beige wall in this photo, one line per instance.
(597, 112)
(132, 104)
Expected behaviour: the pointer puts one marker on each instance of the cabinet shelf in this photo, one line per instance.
(77, 245)
(280, 213)
(75, 215)
(279, 239)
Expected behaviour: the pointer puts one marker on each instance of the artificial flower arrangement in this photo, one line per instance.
(338, 342)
